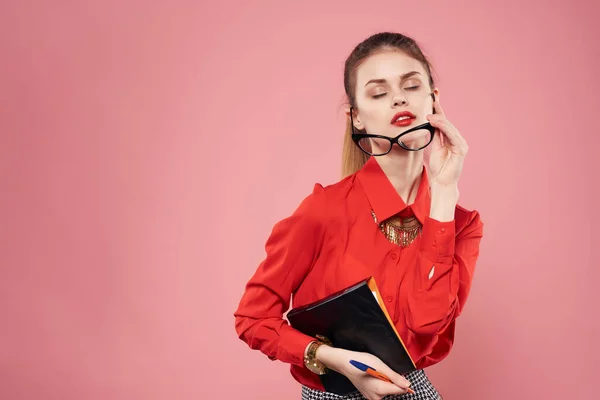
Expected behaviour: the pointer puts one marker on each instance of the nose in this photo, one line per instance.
(399, 100)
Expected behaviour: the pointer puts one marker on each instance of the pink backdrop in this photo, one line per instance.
(147, 148)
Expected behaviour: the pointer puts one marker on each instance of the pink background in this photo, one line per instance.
(147, 148)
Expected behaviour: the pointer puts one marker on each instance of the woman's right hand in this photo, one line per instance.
(370, 387)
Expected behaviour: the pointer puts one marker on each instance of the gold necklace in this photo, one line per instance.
(398, 230)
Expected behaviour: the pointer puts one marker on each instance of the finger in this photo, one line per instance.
(437, 106)
(439, 111)
(443, 125)
(438, 140)
(396, 378)
(454, 132)
(449, 131)
(384, 389)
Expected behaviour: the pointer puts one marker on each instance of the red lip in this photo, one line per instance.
(403, 122)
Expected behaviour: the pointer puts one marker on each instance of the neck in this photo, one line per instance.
(404, 170)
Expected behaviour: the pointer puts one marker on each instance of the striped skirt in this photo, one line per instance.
(419, 382)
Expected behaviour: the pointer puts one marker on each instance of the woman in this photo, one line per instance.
(389, 217)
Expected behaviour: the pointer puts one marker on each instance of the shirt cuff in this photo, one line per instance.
(295, 345)
(438, 239)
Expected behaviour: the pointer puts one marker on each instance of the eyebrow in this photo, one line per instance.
(402, 77)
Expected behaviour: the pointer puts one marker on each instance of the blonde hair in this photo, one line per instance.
(353, 158)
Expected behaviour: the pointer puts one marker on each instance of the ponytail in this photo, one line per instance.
(353, 158)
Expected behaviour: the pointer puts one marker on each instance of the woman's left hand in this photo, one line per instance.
(449, 149)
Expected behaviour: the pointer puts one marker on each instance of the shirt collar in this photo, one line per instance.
(384, 199)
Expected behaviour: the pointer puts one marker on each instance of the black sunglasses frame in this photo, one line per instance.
(356, 137)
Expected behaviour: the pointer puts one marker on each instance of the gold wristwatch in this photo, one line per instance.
(310, 359)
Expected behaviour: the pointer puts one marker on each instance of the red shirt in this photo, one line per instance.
(331, 241)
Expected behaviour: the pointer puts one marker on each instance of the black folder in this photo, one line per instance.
(355, 319)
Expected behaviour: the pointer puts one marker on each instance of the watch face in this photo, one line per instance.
(314, 366)
(315, 369)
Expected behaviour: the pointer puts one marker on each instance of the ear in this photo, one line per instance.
(435, 96)
(355, 118)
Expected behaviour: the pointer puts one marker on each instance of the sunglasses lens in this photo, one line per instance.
(416, 140)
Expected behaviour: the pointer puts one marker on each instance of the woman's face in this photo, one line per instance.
(392, 96)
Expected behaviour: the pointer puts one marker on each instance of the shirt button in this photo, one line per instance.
(389, 299)
(393, 256)
(434, 243)
(442, 230)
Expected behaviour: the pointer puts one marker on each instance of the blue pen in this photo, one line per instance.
(373, 372)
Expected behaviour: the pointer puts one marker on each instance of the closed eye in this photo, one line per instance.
(379, 95)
